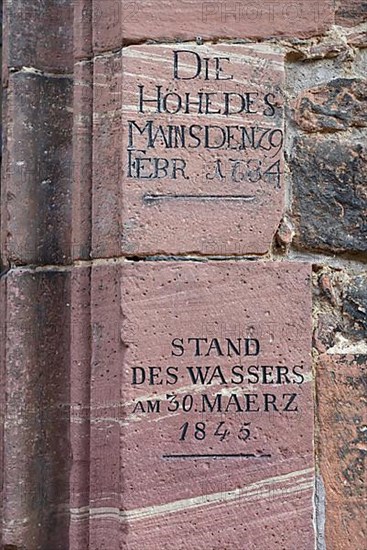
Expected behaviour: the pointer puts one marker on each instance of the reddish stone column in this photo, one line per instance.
(35, 278)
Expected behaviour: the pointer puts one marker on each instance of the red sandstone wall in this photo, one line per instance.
(77, 246)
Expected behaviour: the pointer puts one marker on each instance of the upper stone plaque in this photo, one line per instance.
(202, 149)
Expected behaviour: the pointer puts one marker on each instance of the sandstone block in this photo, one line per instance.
(200, 169)
(36, 456)
(329, 194)
(341, 389)
(47, 45)
(339, 105)
(37, 167)
(350, 12)
(221, 461)
(117, 22)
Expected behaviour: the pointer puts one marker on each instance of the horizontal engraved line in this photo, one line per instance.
(215, 456)
(150, 199)
(299, 481)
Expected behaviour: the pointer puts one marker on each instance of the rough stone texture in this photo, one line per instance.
(115, 22)
(107, 155)
(330, 47)
(47, 44)
(342, 445)
(341, 384)
(83, 30)
(80, 376)
(340, 312)
(339, 105)
(285, 233)
(107, 20)
(82, 132)
(37, 418)
(350, 12)
(225, 198)
(81, 229)
(355, 305)
(330, 202)
(107, 487)
(37, 161)
(35, 229)
(80, 469)
(357, 38)
(2, 391)
(138, 309)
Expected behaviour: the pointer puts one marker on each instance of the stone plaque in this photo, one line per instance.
(203, 405)
(202, 149)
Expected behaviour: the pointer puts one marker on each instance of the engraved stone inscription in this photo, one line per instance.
(217, 400)
(203, 145)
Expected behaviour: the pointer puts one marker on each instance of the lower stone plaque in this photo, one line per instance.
(215, 419)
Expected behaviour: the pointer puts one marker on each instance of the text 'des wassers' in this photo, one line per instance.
(243, 376)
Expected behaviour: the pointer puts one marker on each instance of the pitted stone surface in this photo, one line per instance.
(217, 462)
(202, 149)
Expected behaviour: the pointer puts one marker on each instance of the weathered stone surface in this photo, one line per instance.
(350, 12)
(340, 312)
(107, 180)
(342, 446)
(82, 160)
(285, 233)
(80, 381)
(37, 162)
(107, 392)
(83, 29)
(357, 38)
(329, 192)
(227, 499)
(202, 150)
(115, 21)
(338, 105)
(327, 49)
(47, 44)
(37, 416)
(83, 462)
(108, 17)
(355, 304)
(2, 389)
